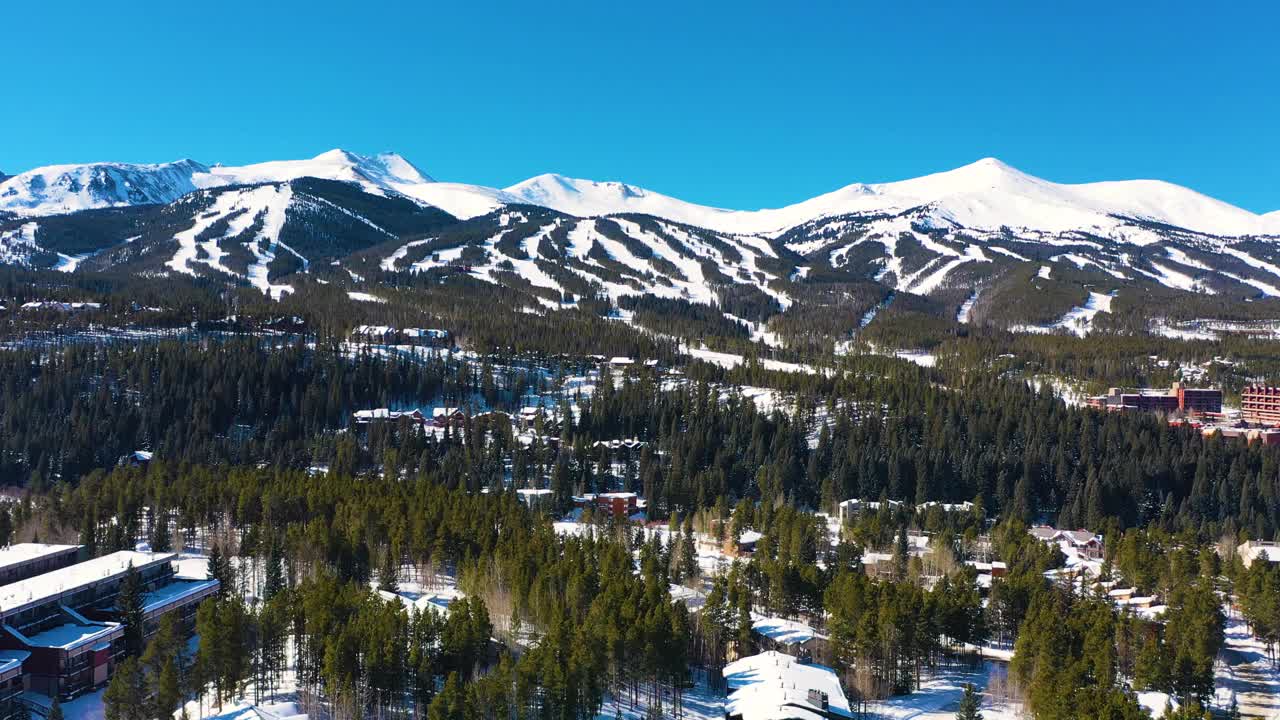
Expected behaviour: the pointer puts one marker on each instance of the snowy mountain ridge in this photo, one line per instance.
(987, 195)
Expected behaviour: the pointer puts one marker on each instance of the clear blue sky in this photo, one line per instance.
(744, 104)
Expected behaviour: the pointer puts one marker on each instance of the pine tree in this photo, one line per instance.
(167, 692)
(126, 696)
(388, 572)
(275, 582)
(129, 604)
(969, 704)
(219, 568)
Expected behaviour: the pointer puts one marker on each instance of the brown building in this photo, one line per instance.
(1189, 401)
(11, 686)
(618, 504)
(1260, 404)
(1198, 401)
(24, 560)
(1265, 436)
(67, 621)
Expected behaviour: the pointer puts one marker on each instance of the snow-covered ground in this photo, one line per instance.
(1244, 670)
(939, 697)
(731, 360)
(1078, 320)
(700, 702)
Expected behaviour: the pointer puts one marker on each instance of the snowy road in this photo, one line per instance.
(1244, 668)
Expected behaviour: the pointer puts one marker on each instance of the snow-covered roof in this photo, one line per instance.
(965, 506)
(855, 504)
(776, 686)
(750, 536)
(382, 414)
(12, 659)
(50, 585)
(1075, 537)
(781, 630)
(68, 635)
(1259, 550)
(179, 589)
(26, 552)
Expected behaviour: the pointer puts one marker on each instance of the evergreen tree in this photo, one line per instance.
(970, 703)
(275, 581)
(220, 569)
(126, 695)
(129, 604)
(389, 572)
(167, 692)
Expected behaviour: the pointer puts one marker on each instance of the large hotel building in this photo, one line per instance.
(1260, 404)
(60, 631)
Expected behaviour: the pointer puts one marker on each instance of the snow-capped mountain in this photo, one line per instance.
(58, 189)
(985, 195)
(555, 237)
(373, 173)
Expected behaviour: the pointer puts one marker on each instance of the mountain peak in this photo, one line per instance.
(337, 155)
(385, 166)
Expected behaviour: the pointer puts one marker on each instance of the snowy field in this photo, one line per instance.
(939, 697)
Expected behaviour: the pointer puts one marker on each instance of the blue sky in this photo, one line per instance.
(744, 104)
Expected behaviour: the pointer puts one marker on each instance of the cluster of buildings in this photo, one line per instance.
(848, 509)
(60, 622)
(1259, 409)
(1259, 417)
(441, 417)
(387, 335)
(57, 306)
(1178, 399)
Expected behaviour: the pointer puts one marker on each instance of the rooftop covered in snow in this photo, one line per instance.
(777, 686)
(26, 552)
(52, 585)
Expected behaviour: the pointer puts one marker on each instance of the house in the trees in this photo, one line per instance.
(747, 541)
(1081, 542)
(429, 337)
(536, 498)
(448, 417)
(137, 458)
(1263, 551)
(850, 508)
(379, 334)
(791, 637)
(617, 504)
(384, 415)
